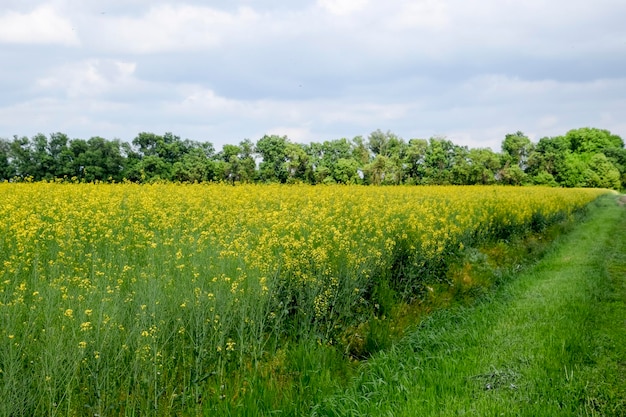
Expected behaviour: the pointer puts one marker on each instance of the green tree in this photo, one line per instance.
(196, 165)
(22, 157)
(158, 154)
(97, 159)
(61, 155)
(385, 144)
(592, 140)
(360, 152)
(346, 171)
(42, 160)
(549, 156)
(601, 173)
(516, 149)
(272, 149)
(438, 161)
(296, 163)
(375, 171)
(230, 158)
(572, 173)
(415, 159)
(483, 166)
(512, 175)
(7, 170)
(544, 178)
(247, 162)
(617, 156)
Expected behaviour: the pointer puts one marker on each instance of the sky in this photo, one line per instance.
(314, 70)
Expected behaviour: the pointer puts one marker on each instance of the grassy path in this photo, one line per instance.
(550, 343)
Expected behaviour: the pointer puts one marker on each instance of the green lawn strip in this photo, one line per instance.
(552, 342)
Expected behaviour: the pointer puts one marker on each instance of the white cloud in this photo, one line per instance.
(172, 27)
(342, 7)
(420, 14)
(89, 78)
(473, 70)
(43, 25)
(301, 134)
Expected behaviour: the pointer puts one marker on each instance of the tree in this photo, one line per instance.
(592, 140)
(438, 161)
(158, 155)
(61, 155)
(375, 170)
(483, 166)
(272, 150)
(414, 160)
(549, 156)
(346, 171)
(512, 175)
(378, 142)
(385, 144)
(330, 153)
(516, 149)
(544, 178)
(617, 156)
(196, 165)
(601, 173)
(360, 152)
(247, 162)
(296, 163)
(573, 172)
(22, 157)
(97, 159)
(7, 171)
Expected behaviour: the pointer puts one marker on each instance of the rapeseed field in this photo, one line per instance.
(121, 298)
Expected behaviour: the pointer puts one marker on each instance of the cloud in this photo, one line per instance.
(471, 70)
(420, 14)
(170, 28)
(342, 7)
(43, 25)
(89, 78)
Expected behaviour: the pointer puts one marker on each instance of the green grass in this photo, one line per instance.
(551, 342)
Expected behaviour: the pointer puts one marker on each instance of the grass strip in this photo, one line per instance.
(551, 342)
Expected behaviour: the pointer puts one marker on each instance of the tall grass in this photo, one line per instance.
(124, 299)
(549, 343)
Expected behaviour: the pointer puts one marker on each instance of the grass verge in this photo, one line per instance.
(549, 343)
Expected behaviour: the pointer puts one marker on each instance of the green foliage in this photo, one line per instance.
(601, 173)
(544, 178)
(346, 171)
(512, 175)
(7, 170)
(438, 161)
(591, 140)
(586, 157)
(516, 149)
(273, 152)
(482, 166)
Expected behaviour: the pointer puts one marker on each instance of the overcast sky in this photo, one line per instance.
(226, 70)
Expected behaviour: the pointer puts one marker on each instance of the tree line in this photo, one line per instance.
(585, 157)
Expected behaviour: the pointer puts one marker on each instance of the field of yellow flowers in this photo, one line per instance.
(122, 298)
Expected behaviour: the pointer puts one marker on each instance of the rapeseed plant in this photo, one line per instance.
(182, 285)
